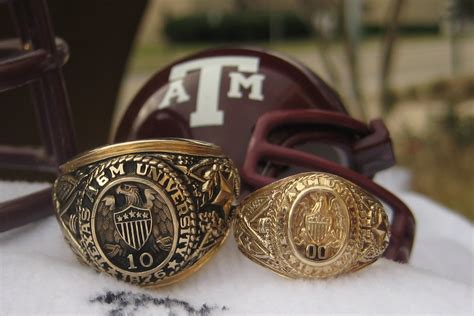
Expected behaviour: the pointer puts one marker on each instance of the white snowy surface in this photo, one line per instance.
(40, 275)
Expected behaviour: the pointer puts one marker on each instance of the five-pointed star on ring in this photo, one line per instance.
(173, 264)
(224, 197)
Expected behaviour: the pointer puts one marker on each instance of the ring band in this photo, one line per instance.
(311, 225)
(147, 212)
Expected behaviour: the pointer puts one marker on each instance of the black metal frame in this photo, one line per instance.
(35, 59)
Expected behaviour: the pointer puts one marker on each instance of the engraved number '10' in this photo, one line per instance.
(316, 252)
(146, 260)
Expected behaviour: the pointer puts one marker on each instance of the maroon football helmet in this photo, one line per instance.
(273, 117)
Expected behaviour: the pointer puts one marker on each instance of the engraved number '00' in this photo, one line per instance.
(316, 252)
(145, 259)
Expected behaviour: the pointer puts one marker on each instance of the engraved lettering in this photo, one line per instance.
(102, 179)
(182, 209)
(177, 197)
(154, 174)
(85, 214)
(140, 171)
(116, 170)
(159, 274)
(86, 228)
(182, 250)
(131, 262)
(185, 221)
(146, 259)
(170, 184)
(315, 252)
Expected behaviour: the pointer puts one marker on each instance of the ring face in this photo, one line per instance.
(311, 225)
(318, 226)
(147, 218)
(142, 227)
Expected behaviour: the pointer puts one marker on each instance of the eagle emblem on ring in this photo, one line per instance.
(144, 213)
(134, 225)
(318, 223)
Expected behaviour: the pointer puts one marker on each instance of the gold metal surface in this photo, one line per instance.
(148, 212)
(311, 225)
(171, 145)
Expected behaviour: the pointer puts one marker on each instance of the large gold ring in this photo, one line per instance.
(311, 225)
(147, 212)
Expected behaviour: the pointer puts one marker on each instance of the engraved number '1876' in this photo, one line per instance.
(145, 259)
(316, 252)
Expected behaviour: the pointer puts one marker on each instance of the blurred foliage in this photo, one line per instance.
(235, 27)
(441, 162)
(460, 129)
(465, 8)
(441, 159)
(154, 56)
(377, 30)
(242, 26)
(453, 91)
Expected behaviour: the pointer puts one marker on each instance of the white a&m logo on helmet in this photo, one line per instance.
(207, 112)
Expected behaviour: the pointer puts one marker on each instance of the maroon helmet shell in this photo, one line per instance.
(272, 116)
(218, 95)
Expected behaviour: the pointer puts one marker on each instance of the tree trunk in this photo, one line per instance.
(351, 13)
(387, 53)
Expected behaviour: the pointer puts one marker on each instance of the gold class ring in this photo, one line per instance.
(147, 212)
(311, 225)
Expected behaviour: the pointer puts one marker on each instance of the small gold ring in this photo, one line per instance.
(147, 212)
(311, 225)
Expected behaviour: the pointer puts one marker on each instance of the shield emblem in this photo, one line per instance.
(317, 227)
(134, 225)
